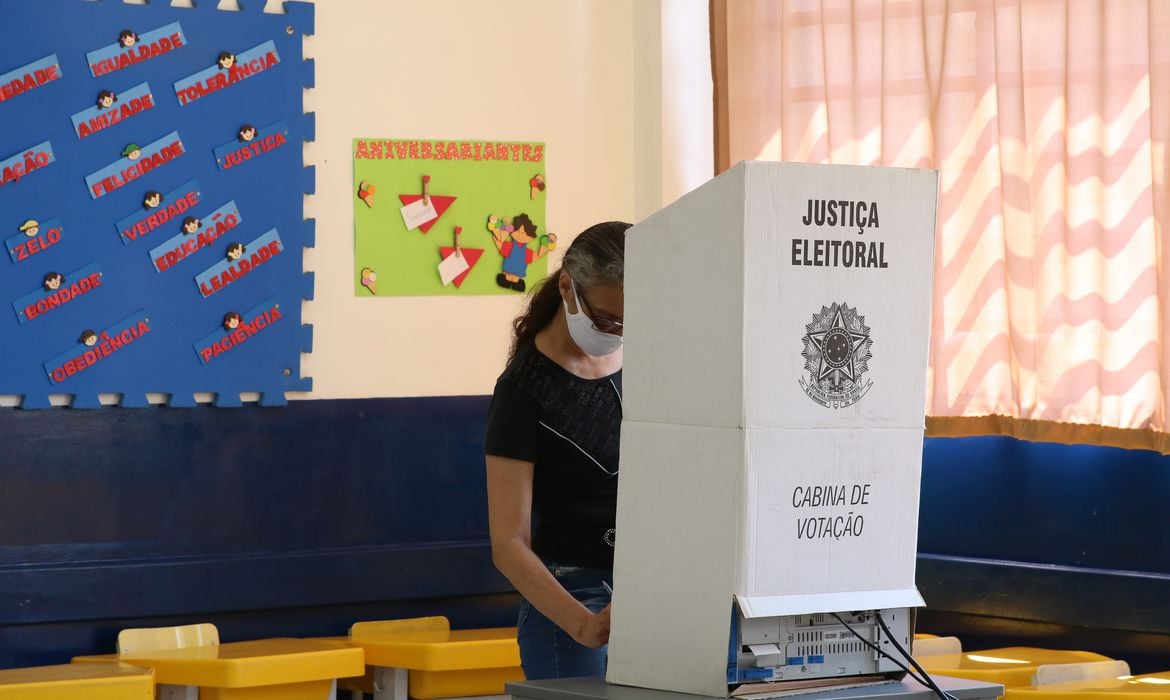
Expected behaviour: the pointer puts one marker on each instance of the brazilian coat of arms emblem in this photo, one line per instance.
(836, 356)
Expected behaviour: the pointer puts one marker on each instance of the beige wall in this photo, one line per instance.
(429, 70)
(623, 139)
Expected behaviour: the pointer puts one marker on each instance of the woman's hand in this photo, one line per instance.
(593, 630)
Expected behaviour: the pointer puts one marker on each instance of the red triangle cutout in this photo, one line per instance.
(472, 255)
(442, 203)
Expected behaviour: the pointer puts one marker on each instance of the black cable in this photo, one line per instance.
(876, 648)
(913, 662)
(942, 695)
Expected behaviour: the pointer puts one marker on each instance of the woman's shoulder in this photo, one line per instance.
(528, 370)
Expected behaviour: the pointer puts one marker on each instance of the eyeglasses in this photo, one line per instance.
(601, 323)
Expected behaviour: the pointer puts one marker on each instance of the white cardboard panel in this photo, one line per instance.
(831, 510)
(717, 313)
(684, 309)
(680, 503)
(720, 441)
(776, 606)
(887, 309)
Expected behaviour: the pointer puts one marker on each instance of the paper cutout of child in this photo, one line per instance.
(511, 237)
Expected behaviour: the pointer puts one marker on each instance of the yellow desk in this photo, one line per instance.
(440, 663)
(88, 681)
(1151, 686)
(1010, 666)
(264, 669)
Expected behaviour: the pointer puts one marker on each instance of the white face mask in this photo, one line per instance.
(589, 339)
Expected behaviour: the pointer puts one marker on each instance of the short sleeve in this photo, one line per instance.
(511, 424)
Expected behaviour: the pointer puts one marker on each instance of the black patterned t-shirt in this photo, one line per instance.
(569, 428)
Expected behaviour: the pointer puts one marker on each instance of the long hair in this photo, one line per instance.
(596, 257)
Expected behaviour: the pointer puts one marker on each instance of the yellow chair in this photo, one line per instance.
(423, 658)
(137, 640)
(189, 663)
(88, 681)
(1105, 686)
(1011, 667)
(931, 645)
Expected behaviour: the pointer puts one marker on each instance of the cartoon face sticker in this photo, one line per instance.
(231, 321)
(152, 200)
(523, 229)
(106, 99)
(191, 225)
(30, 228)
(226, 60)
(88, 338)
(247, 133)
(53, 281)
(127, 38)
(131, 151)
(235, 251)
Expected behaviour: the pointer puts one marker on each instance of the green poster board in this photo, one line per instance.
(492, 191)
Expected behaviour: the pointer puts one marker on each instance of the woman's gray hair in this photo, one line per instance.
(597, 256)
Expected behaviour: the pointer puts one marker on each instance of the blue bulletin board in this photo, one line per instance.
(151, 201)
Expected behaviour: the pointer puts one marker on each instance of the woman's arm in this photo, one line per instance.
(509, 486)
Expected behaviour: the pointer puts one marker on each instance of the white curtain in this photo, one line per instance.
(1048, 121)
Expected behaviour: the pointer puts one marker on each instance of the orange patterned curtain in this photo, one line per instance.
(1048, 121)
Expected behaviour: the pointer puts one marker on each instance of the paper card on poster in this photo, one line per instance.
(35, 237)
(237, 330)
(207, 231)
(29, 77)
(25, 162)
(452, 266)
(418, 213)
(251, 143)
(255, 253)
(135, 162)
(228, 70)
(440, 202)
(472, 255)
(131, 48)
(94, 347)
(158, 210)
(57, 290)
(112, 109)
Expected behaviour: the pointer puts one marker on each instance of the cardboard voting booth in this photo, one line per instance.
(775, 363)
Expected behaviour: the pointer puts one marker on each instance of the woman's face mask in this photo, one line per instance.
(585, 334)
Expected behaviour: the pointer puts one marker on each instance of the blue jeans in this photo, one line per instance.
(547, 651)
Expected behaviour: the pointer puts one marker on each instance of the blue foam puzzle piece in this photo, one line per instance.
(310, 233)
(35, 402)
(134, 400)
(227, 399)
(181, 400)
(163, 360)
(86, 401)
